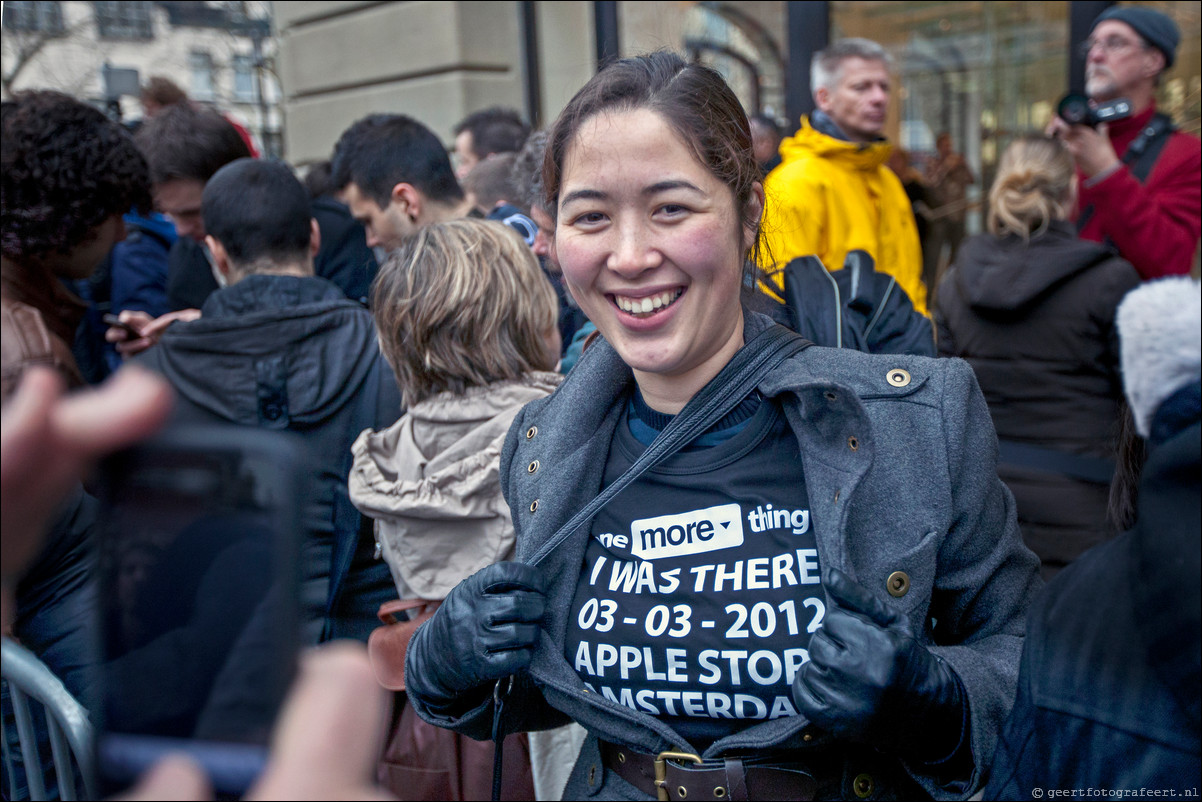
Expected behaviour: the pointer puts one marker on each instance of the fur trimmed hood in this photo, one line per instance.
(430, 482)
(1160, 327)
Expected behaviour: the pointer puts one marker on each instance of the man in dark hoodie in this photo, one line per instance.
(280, 348)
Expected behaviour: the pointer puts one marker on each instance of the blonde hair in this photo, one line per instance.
(463, 304)
(1033, 187)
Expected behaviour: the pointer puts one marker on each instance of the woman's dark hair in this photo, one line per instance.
(695, 102)
(66, 169)
(1129, 467)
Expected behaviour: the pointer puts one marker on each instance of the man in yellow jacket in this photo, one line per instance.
(832, 192)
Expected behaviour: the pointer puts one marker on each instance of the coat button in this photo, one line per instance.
(863, 786)
(532, 467)
(853, 443)
(272, 412)
(829, 395)
(898, 584)
(534, 506)
(898, 377)
(592, 774)
(533, 430)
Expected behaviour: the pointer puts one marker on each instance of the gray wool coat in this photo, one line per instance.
(900, 461)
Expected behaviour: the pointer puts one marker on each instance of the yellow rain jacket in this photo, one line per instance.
(829, 197)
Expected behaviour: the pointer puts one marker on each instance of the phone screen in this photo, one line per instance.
(198, 565)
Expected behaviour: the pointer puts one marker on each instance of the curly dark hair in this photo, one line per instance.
(66, 169)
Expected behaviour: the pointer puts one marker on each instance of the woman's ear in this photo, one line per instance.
(753, 214)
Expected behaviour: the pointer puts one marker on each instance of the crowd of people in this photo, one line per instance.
(604, 517)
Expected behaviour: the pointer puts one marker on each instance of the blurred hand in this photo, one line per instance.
(328, 739)
(326, 744)
(48, 440)
(1090, 147)
(150, 329)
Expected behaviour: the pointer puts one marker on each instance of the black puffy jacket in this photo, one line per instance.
(1036, 322)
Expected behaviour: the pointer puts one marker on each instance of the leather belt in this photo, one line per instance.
(680, 775)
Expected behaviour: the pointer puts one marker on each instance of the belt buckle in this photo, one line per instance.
(661, 770)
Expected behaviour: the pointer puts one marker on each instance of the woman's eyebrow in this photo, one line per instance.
(583, 194)
(653, 189)
(665, 186)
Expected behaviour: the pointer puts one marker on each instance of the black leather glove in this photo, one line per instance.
(870, 680)
(486, 629)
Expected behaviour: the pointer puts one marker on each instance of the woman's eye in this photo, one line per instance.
(589, 219)
(672, 210)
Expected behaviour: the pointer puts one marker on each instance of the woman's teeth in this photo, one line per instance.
(648, 305)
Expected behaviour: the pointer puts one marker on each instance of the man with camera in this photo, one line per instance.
(1140, 178)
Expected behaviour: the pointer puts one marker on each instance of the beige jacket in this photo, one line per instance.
(431, 483)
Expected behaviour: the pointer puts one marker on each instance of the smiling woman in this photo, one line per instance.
(760, 603)
(649, 242)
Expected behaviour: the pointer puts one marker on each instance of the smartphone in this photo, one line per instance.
(116, 322)
(198, 570)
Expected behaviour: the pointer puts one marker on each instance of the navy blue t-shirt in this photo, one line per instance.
(700, 584)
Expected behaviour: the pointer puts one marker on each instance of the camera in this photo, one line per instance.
(1075, 109)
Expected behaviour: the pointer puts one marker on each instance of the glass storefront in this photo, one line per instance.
(983, 72)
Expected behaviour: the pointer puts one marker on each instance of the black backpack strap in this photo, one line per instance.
(1148, 145)
(1140, 157)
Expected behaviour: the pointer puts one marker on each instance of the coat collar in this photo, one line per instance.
(265, 292)
(810, 141)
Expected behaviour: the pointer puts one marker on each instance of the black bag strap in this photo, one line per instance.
(1140, 157)
(732, 384)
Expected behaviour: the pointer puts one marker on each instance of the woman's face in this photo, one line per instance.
(651, 247)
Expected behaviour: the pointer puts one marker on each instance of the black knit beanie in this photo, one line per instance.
(1157, 29)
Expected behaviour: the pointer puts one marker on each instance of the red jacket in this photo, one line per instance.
(1154, 225)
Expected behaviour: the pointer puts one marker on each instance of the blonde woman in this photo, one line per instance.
(1031, 307)
(469, 324)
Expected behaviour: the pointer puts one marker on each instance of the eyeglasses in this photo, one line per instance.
(1110, 45)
